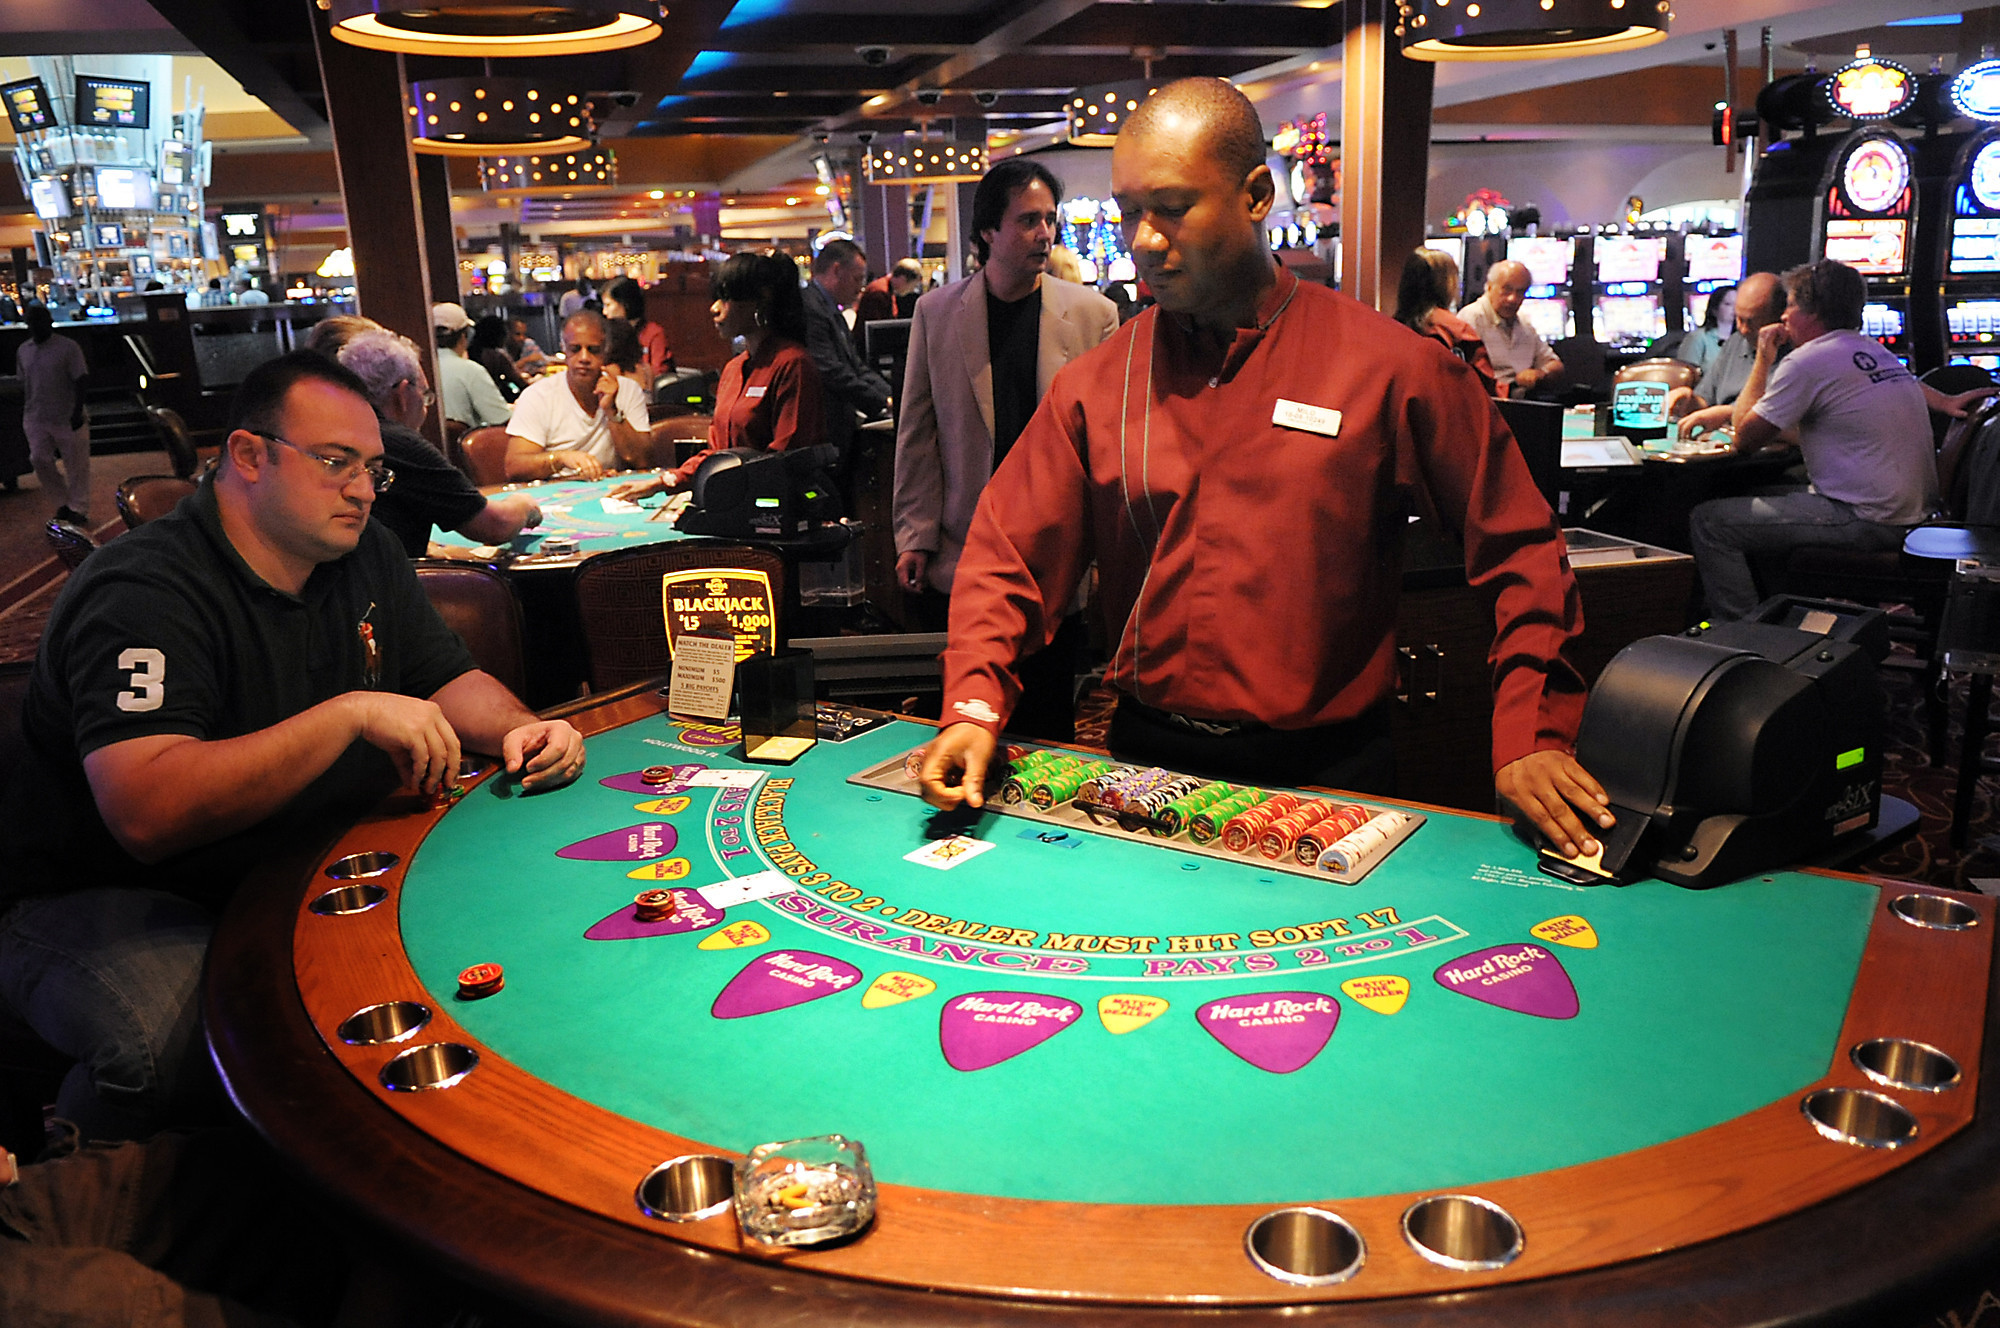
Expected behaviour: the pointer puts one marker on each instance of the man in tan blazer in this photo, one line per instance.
(982, 354)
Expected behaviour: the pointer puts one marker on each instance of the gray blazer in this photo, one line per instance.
(944, 437)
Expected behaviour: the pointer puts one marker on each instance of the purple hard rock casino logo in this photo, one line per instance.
(1524, 978)
(987, 1027)
(1278, 1031)
(635, 843)
(630, 782)
(691, 913)
(782, 979)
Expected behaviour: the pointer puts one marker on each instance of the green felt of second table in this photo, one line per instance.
(574, 510)
(1692, 1007)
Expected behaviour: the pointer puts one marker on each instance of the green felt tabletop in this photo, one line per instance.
(1691, 1008)
(574, 509)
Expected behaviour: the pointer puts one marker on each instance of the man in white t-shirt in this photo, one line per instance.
(587, 421)
(1521, 359)
(1863, 428)
(52, 370)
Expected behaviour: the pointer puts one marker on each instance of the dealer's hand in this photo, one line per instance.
(954, 768)
(547, 754)
(1550, 788)
(632, 491)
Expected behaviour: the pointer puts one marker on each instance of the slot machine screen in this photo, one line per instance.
(1881, 320)
(1973, 320)
(1714, 257)
(113, 103)
(1626, 259)
(176, 162)
(1626, 319)
(1547, 260)
(1550, 317)
(1975, 245)
(1874, 246)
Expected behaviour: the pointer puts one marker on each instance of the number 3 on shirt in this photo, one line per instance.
(149, 679)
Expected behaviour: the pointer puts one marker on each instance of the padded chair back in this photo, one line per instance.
(485, 453)
(1674, 373)
(480, 605)
(144, 498)
(1585, 375)
(1951, 379)
(71, 544)
(1970, 449)
(677, 432)
(176, 439)
(618, 601)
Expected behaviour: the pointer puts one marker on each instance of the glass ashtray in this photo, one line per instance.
(804, 1191)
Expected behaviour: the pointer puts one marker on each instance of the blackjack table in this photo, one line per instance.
(580, 519)
(1103, 1074)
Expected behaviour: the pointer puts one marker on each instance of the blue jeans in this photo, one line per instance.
(1727, 532)
(112, 978)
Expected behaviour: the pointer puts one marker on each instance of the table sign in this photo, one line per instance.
(721, 601)
(704, 676)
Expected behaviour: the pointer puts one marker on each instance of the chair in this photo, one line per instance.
(143, 498)
(1951, 379)
(72, 544)
(30, 1070)
(618, 603)
(486, 455)
(176, 439)
(1674, 373)
(669, 436)
(1586, 376)
(480, 605)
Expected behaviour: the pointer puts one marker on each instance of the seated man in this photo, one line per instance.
(429, 490)
(226, 683)
(468, 392)
(1522, 361)
(893, 296)
(587, 421)
(1862, 428)
(1760, 302)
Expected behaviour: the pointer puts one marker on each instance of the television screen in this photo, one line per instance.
(113, 103)
(1714, 257)
(51, 200)
(1975, 245)
(107, 235)
(1639, 405)
(1626, 259)
(28, 106)
(1626, 320)
(1877, 246)
(1548, 259)
(124, 187)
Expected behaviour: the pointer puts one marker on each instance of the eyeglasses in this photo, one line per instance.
(339, 471)
(430, 397)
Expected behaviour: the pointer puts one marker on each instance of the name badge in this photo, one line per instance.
(753, 392)
(1312, 419)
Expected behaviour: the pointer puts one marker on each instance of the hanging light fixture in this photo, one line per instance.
(495, 27)
(924, 160)
(1527, 29)
(539, 170)
(1097, 114)
(486, 116)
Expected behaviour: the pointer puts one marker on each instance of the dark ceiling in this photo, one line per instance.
(796, 66)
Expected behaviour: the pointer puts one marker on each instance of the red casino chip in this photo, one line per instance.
(480, 980)
(655, 905)
(657, 774)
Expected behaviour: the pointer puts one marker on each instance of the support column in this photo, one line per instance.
(365, 96)
(440, 236)
(885, 224)
(1385, 134)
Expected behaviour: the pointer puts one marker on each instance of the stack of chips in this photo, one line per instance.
(1206, 825)
(1174, 817)
(1014, 789)
(655, 905)
(1152, 802)
(1362, 848)
(1098, 790)
(1243, 829)
(1345, 818)
(1061, 780)
(1278, 838)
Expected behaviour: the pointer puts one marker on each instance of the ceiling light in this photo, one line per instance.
(469, 117)
(593, 167)
(1096, 114)
(1528, 29)
(928, 159)
(496, 27)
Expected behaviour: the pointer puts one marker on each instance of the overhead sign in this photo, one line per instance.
(1975, 91)
(1870, 89)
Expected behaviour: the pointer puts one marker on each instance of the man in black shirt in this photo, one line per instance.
(847, 386)
(228, 681)
(982, 354)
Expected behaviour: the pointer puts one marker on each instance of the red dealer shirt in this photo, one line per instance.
(1251, 568)
(769, 401)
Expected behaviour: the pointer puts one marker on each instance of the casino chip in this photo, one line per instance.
(657, 775)
(655, 905)
(480, 980)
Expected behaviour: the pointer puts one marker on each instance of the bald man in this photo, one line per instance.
(1522, 361)
(1760, 302)
(1238, 462)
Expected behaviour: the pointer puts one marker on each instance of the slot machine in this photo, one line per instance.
(1971, 267)
(1867, 217)
(1549, 260)
(1628, 312)
(1707, 262)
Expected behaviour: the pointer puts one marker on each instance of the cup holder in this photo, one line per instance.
(1305, 1247)
(433, 1065)
(1462, 1232)
(391, 1021)
(344, 899)
(688, 1189)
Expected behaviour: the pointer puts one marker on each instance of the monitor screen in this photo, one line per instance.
(176, 162)
(1875, 246)
(1551, 318)
(1627, 259)
(1973, 320)
(1625, 320)
(1975, 245)
(28, 106)
(50, 198)
(1639, 405)
(1714, 257)
(124, 187)
(107, 235)
(113, 103)
(1449, 244)
(1548, 260)
(1881, 320)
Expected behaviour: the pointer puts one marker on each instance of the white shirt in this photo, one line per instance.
(547, 415)
(468, 393)
(1864, 430)
(49, 371)
(1511, 348)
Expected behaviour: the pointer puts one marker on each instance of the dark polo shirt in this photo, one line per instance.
(429, 491)
(166, 630)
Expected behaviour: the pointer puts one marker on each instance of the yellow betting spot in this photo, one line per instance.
(1569, 929)
(662, 806)
(666, 869)
(894, 989)
(1122, 1014)
(735, 936)
(1383, 995)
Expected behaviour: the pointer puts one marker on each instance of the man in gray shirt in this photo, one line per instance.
(1760, 302)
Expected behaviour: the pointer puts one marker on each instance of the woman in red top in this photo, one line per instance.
(1423, 304)
(769, 396)
(625, 300)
